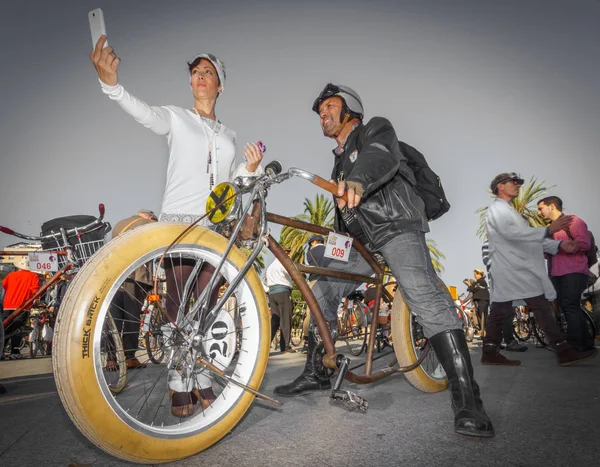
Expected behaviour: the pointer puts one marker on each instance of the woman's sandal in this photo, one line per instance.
(183, 404)
(111, 365)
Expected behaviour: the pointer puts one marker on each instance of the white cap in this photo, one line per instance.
(219, 66)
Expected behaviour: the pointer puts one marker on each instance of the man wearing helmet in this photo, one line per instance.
(388, 217)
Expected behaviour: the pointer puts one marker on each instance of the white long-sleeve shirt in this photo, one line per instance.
(189, 137)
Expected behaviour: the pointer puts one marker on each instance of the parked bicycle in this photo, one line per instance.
(72, 251)
(40, 337)
(207, 347)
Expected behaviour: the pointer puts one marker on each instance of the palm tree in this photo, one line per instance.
(318, 212)
(259, 262)
(525, 204)
(436, 256)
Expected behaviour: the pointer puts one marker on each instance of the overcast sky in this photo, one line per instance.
(480, 87)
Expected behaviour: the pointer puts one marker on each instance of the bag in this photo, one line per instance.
(429, 186)
(69, 222)
(47, 333)
(592, 253)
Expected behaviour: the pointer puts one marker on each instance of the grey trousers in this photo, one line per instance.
(408, 257)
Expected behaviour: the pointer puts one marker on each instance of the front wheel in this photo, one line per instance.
(138, 424)
(409, 342)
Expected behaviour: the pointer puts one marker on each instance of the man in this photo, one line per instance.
(386, 215)
(569, 272)
(280, 300)
(127, 304)
(315, 254)
(19, 286)
(519, 273)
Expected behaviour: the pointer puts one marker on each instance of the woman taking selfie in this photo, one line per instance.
(201, 155)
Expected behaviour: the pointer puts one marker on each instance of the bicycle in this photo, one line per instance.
(206, 346)
(72, 253)
(40, 337)
(588, 320)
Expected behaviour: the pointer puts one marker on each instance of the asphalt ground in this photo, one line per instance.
(543, 414)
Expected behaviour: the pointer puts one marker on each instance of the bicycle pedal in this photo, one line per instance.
(350, 400)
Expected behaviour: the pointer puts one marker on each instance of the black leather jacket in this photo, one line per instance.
(389, 205)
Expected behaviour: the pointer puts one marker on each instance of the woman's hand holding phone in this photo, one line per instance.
(106, 62)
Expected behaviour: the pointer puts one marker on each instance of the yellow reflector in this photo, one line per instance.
(222, 196)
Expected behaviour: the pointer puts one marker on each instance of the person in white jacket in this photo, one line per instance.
(201, 155)
(518, 269)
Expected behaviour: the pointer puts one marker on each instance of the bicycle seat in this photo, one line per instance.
(356, 295)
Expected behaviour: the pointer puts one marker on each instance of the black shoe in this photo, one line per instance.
(307, 381)
(567, 355)
(303, 384)
(514, 346)
(469, 415)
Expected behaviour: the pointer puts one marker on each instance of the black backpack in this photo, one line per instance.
(429, 186)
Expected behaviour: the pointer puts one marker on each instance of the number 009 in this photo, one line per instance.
(338, 252)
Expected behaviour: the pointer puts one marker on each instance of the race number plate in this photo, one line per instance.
(43, 262)
(338, 247)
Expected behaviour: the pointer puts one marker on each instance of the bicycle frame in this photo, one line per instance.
(257, 222)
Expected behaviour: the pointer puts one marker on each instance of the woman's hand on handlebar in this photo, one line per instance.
(353, 198)
(106, 62)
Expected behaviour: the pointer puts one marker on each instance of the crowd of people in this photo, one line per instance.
(385, 212)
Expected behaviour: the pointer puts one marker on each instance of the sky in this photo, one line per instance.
(480, 87)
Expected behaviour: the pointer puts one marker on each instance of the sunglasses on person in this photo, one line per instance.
(516, 181)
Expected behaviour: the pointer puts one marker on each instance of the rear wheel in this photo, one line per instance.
(355, 329)
(409, 343)
(521, 325)
(137, 424)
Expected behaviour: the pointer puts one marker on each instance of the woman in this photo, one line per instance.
(481, 296)
(201, 155)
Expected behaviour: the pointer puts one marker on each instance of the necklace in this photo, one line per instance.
(213, 127)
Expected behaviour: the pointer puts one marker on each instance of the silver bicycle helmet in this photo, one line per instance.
(348, 95)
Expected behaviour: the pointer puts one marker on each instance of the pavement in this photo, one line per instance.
(543, 414)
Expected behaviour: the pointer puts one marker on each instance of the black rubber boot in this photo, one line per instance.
(469, 415)
(307, 381)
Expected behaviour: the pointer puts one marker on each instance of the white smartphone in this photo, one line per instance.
(97, 26)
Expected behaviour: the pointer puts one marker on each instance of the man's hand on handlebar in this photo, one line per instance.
(353, 198)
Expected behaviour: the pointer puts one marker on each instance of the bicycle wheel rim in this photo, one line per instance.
(134, 409)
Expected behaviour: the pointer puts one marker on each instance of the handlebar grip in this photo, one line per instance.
(6, 230)
(322, 183)
(101, 209)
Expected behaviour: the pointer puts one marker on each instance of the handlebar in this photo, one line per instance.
(70, 232)
(316, 180)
